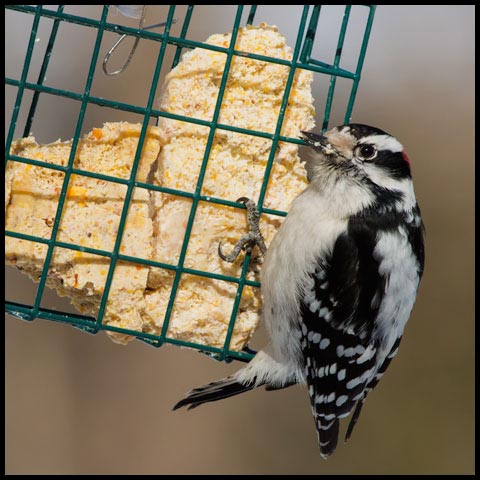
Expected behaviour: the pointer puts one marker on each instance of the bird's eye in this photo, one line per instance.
(366, 152)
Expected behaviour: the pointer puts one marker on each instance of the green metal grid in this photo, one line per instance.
(301, 59)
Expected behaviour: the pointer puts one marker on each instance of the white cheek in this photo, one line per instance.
(378, 175)
(382, 179)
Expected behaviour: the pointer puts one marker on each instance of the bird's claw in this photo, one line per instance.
(248, 241)
(232, 256)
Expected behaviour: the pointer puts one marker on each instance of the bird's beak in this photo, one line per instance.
(320, 142)
(315, 140)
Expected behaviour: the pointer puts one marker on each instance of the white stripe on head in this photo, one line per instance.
(383, 142)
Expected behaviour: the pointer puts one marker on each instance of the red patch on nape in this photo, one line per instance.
(404, 155)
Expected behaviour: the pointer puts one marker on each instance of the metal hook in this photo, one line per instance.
(134, 46)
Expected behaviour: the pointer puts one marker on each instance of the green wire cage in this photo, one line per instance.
(303, 58)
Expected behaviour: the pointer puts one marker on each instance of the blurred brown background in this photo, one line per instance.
(80, 404)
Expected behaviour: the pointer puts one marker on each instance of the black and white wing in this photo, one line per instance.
(341, 309)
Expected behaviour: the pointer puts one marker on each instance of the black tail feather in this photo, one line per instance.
(328, 437)
(354, 419)
(227, 387)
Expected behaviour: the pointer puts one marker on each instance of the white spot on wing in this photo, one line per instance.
(354, 382)
(341, 400)
(314, 306)
(358, 380)
(349, 352)
(341, 374)
(323, 312)
(316, 338)
(359, 349)
(324, 343)
(367, 355)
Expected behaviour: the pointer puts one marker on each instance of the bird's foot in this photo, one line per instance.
(251, 239)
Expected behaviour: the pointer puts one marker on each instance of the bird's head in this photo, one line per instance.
(360, 149)
(362, 156)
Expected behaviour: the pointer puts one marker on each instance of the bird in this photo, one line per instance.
(338, 280)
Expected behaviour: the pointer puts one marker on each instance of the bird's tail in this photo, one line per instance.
(328, 436)
(227, 387)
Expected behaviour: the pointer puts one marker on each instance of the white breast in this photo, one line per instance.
(308, 233)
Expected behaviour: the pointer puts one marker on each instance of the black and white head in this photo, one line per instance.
(368, 160)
